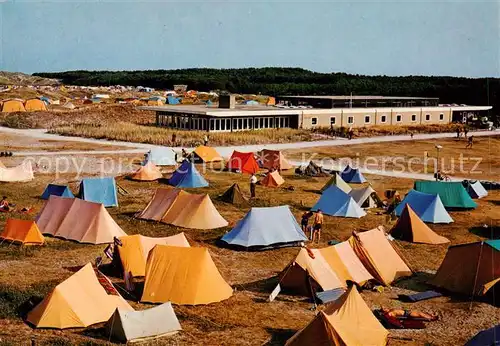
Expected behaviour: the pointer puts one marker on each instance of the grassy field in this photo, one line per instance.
(246, 318)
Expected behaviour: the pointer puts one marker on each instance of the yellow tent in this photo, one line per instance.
(21, 173)
(273, 179)
(184, 276)
(148, 172)
(379, 256)
(183, 209)
(77, 302)
(206, 154)
(25, 232)
(35, 105)
(157, 102)
(134, 250)
(79, 220)
(13, 105)
(346, 322)
(271, 101)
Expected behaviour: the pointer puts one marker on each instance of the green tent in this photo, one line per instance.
(452, 194)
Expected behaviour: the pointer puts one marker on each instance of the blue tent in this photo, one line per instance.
(488, 337)
(251, 103)
(209, 103)
(352, 175)
(187, 176)
(45, 99)
(57, 190)
(427, 206)
(99, 190)
(171, 100)
(335, 202)
(266, 228)
(161, 156)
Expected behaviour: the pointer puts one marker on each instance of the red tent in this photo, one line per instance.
(243, 162)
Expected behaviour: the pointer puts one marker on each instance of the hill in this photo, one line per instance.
(18, 78)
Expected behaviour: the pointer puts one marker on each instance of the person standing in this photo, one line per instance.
(253, 183)
(470, 142)
(304, 222)
(318, 223)
(205, 140)
(174, 139)
(466, 131)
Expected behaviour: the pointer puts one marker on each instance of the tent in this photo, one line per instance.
(56, 190)
(410, 228)
(184, 276)
(470, 269)
(475, 189)
(21, 173)
(2, 165)
(242, 162)
(161, 156)
(346, 322)
(25, 232)
(379, 256)
(234, 196)
(335, 202)
(156, 102)
(339, 182)
(352, 175)
(78, 220)
(452, 194)
(488, 337)
(266, 228)
(273, 159)
(206, 154)
(272, 179)
(130, 326)
(13, 105)
(35, 105)
(323, 269)
(148, 172)
(366, 197)
(182, 209)
(45, 100)
(187, 176)
(429, 208)
(69, 105)
(99, 190)
(133, 253)
(171, 100)
(312, 170)
(78, 302)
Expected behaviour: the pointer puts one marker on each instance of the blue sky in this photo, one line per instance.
(393, 38)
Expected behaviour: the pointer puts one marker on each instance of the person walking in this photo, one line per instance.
(205, 140)
(318, 223)
(174, 139)
(470, 141)
(253, 183)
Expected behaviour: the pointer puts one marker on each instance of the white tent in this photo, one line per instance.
(161, 156)
(23, 172)
(364, 197)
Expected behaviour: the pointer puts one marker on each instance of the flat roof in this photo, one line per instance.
(359, 97)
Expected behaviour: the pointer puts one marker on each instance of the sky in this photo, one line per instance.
(370, 37)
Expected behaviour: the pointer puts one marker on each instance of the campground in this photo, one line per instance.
(246, 318)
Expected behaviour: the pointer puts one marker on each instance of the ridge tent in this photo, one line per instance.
(323, 269)
(57, 190)
(266, 228)
(335, 202)
(12, 105)
(366, 197)
(21, 173)
(429, 208)
(312, 170)
(45, 100)
(69, 105)
(470, 269)
(206, 154)
(148, 172)
(352, 175)
(184, 276)
(133, 253)
(339, 182)
(410, 228)
(242, 162)
(272, 179)
(171, 100)
(348, 321)
(273, 159)
(78, 220)
(25, 232)
(182, 209)
(475, 189)
(452, 194)
(35, 105)
(187, 176)
(379, 256)
(234, 196)
(77, 302)
(128, 326)
(488, 337)
(161, 156)
(99, 190)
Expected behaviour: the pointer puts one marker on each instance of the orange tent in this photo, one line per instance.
(148, 172)
(271, 101)
(35, 105)
(273, 179)
(206, 154)
(13, 105)
(242, 162)
(274, 159)
(411, 228)
(25, 232)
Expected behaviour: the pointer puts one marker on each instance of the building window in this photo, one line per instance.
(350, 120)
(332, 120)
(413, 117)
(212, 124)
(399, 118)
(427, 117)
(441, 116)
(314, 121)
(383, 119)
(367, 119)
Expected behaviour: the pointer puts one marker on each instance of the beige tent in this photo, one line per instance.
(379, 256)
(133, 252)
(79, 301)
(184, 276)
(324, 269)
(183, 209)
(148, 172)
(35, 105)
(21, 173)
(366, 197)
(346, 322)
(13, 105)
(79, 220)
(273, 159)
(69, 105)
(339, 182)
(273, 179)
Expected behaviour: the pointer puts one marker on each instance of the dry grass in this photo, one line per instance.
(389, 130)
